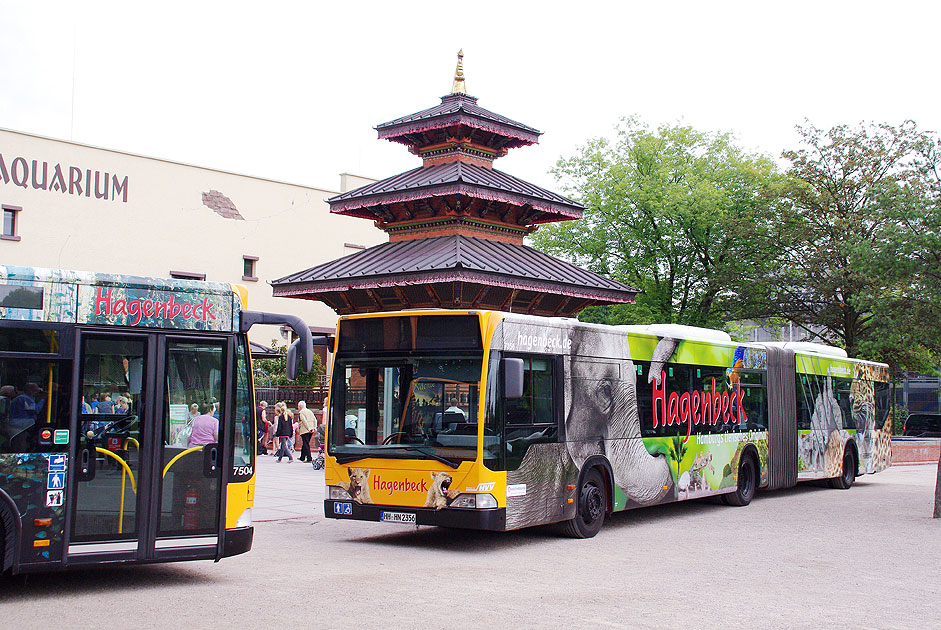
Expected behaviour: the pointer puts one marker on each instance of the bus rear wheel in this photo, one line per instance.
(845, 480)
(592, 504)
(747, 483)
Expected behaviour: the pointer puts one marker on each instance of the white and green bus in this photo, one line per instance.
(499, 421)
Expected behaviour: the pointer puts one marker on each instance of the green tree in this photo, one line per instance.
(275, 369)
(847, 190)
(680, 214)
(907, 258)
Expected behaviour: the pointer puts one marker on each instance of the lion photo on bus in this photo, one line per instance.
(358, 485)
(440, 494)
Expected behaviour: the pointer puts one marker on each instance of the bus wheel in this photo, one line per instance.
(844, 481)
(747, 483)
(591, 507)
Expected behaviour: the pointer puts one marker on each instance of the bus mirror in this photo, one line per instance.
(512, 378)
(135, 375)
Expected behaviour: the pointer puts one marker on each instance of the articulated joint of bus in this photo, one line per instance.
(301, 352)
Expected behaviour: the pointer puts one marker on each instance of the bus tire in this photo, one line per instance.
(747, 483)
(592, 503)
(845, 480)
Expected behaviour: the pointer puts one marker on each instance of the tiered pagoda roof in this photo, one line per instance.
(456, 226)
(452, 272)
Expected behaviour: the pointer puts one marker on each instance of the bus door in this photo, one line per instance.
(147, 483)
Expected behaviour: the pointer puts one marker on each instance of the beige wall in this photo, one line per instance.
(164, 225)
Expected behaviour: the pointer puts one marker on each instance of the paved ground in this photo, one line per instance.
(286, 490)
(808, 557)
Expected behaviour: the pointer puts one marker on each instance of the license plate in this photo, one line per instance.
(397, 517)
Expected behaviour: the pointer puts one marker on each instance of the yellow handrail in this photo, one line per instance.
(123, 464)
(124, 474)
(179, 455)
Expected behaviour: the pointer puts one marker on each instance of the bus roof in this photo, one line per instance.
(83, 297)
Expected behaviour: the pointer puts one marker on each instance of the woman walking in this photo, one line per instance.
(284, 432)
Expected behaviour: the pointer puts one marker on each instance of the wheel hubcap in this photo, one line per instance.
(592, 503)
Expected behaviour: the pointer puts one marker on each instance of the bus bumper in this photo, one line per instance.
(238, 540)
(493, 519)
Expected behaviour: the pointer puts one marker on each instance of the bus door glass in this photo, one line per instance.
(192, 438)
(111, 433)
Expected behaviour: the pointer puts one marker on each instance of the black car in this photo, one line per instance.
(923, 425)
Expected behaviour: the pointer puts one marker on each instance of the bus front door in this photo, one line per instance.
(148, 474)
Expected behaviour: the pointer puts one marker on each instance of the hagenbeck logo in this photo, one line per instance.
(689, 408)
(135, 309)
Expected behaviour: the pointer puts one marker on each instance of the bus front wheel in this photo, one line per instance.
(747, 483)
(592, 503)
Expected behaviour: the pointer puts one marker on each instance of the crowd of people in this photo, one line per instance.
(278, 431)
(102, 403)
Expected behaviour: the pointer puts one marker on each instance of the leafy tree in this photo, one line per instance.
(907, 258)
(275, 369)
(848, 189)
(680, 214)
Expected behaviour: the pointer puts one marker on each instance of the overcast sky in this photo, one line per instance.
(292, 91)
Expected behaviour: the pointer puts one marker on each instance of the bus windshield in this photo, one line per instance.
(422, 407)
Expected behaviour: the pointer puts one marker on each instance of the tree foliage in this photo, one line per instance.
(853, 196)
(680, 214)
(276, 369)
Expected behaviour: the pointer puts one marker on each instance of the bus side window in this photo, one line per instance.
(531, 419)
(34, 395)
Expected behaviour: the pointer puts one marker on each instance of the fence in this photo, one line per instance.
(313, 396)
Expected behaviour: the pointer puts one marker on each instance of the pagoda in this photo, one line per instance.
(456, 226)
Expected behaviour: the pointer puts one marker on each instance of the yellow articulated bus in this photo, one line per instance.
(127, 419)
(499, 421)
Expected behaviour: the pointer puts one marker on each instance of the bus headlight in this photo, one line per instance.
(245, 518)
(479, 501)
(336, 492)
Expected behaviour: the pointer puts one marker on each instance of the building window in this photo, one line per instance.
(187, 275)
(248, 268)
(10, 223)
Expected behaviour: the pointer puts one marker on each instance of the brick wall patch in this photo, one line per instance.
(221, 205)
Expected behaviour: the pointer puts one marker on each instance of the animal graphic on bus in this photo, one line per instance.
(358, 485)
(440, 494)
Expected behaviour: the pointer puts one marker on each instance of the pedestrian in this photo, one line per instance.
(284, 432)
(205, 428)
(307, 422)
(261, 425)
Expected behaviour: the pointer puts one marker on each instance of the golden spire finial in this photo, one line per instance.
(458, 86)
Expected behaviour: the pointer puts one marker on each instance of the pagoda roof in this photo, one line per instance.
(454, 178)
(454, 258)
(458, 109)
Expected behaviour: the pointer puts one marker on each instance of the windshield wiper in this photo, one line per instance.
(352, 457)
(346, 459)
(432, 455)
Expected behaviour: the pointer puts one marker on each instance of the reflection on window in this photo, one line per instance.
(421, 402)
(32, 396)
(243, 440)
(111, 387)
(192, 429)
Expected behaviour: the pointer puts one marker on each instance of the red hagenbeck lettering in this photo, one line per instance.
(136, 310)
(399, 486)
(707, 407)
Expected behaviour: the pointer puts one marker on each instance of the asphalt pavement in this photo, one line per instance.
(806, 557)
